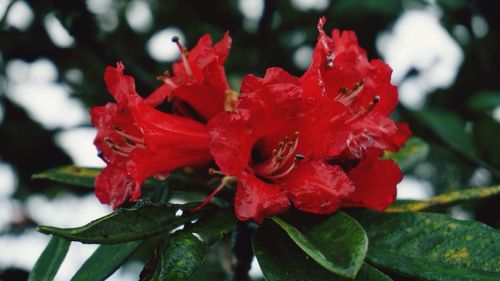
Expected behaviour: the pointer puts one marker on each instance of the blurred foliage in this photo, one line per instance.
(457, 123)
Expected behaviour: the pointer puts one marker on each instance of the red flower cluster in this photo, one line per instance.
(313, 141)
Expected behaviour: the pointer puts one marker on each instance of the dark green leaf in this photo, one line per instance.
(484, 100)
(49, 262)
(488, 146)
(73, 175)
(281, 260)
(128, 224)
(446, 199)
(81, 176)
(449, 127)
(185, 250)
(432, 246)
(414, 151)
(339, 243)
(105, 260)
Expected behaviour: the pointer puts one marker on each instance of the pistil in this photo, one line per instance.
(184, 54)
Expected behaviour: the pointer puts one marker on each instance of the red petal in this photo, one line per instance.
(114, 186)
(138, 141)
(375, 182)
(120, 86)
(317, 187)
(204, 91)
(256, 199)
(376, 131)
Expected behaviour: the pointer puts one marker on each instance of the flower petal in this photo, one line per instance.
(256, 199)
(375, 182)
(120, 86)
(376, 131)
(114, 186)
(317, 187)
(203, 90)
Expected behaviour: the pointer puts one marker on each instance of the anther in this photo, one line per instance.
(166, 78)
(213, 172)
(329, 60)
(357, 88)
(299, 156)
(108, 141)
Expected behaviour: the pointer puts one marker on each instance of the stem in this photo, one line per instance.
(242, 249)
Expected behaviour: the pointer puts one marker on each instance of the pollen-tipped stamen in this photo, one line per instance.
(184, 54)
(135, 139)
(166, 78)
(363, 111)
(346, 96)
(298, 157)
(279, 159)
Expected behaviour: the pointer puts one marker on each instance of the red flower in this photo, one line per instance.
(199, 87)
(316, 141)
(137, 141)
(341, 70)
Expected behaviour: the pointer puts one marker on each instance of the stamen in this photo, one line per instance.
(184, 53)
(161, 177)
(125, 149)
(108, 141)
(346, 95)
(225, 181)
(293, 146)
(137, 140)
(279, 159)
(358, 87)
(284, 173)
(213, 172)
(363, 111)
(119, 152)
(230, 100)
(166, 79)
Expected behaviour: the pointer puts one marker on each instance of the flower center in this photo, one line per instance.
(127, 143)
(282, 161)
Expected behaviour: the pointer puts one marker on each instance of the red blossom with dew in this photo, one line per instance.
(316, 141)
(137, 141)
(198, 87)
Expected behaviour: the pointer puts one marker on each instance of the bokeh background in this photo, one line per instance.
(444, 54)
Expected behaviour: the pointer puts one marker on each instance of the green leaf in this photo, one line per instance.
(184, 251)
(432, 246)
(84, 177)
(339, 243)
(446, 199)
(48, 263)
(449, 127)
(105, 260)
(73, 175)
(126, 225)
(484, 100)
(414, 151)
(281, 260)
